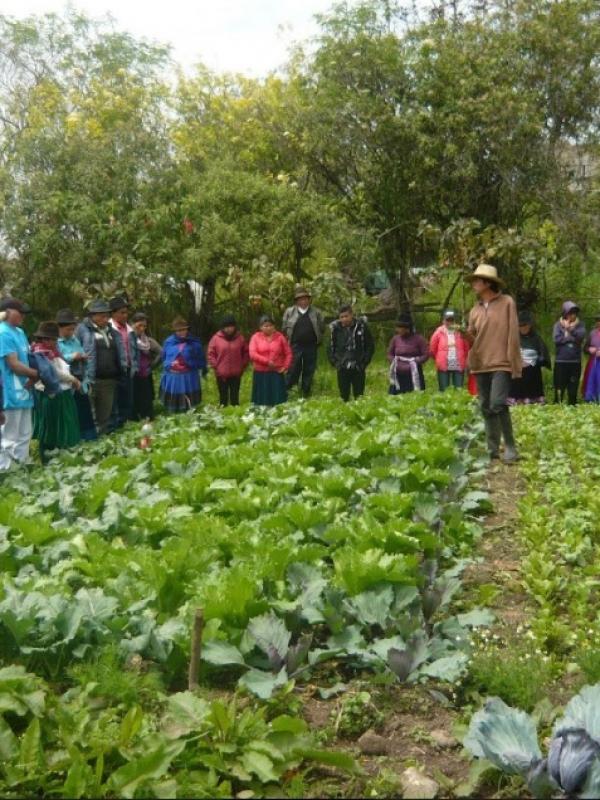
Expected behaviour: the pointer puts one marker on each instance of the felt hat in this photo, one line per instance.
(16, 305)
(46, 330)
(449, 313)
(265, 318)
(301, 291)
(64, 316)
(139, 316)
(487, 272)
(179, 324)
(98, 307)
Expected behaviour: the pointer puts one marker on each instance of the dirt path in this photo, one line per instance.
(416, 728)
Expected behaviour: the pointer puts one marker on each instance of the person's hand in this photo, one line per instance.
(80, 357)
(593, 350)
(29, 384)
(271, 364)
(76, 385)
(281, 371)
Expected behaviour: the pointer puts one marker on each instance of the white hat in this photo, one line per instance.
(488, 273)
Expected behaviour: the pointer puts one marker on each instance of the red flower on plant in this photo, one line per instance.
(188, 226)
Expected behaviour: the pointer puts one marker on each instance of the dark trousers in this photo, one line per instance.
(453, 377)
(229, 391)
(351, 379)
(123, 403)
(303, 368)
(493, 389)
(566, 378)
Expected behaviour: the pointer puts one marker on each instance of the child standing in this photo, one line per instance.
(529, 388)
(71, 350)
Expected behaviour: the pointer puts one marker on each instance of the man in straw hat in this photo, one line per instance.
(304, 326)
(495, 356)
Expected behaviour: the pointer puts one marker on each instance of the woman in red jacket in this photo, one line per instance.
(449, 348)
(271, 357)
(228, 356)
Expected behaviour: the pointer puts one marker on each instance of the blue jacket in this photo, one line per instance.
(47, 373)
(86, 333)
(192, 352)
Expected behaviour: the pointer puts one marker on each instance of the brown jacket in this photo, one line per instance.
(495, 332)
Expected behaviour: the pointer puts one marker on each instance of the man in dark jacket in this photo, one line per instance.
(350, 351)
(106, 361)
(304, 326)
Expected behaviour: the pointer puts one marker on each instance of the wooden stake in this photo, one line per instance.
(196, 650)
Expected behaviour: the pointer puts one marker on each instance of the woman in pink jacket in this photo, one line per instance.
(449, 348)
(228, 356)
(271, 357)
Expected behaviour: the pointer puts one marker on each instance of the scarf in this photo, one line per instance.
(414, 373)
(46, 349)
(143, 343)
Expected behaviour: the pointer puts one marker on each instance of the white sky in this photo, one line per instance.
(249, 36)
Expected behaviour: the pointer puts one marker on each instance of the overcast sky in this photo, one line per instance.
(249, 36)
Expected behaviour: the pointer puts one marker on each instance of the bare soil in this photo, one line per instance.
(412, 713)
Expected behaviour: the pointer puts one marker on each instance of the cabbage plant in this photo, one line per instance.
(508, 739)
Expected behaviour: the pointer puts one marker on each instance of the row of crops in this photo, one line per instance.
(319, 540)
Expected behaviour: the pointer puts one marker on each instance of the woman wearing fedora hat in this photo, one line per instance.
(72, 351)
(55, 421)
(183, 358)
(495, 356)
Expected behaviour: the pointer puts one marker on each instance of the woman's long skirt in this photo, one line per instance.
(592, 384)
(180, 391)
(55, 421)
(529, 388)
(268, 389)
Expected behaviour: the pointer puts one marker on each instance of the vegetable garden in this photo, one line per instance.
(334, 550)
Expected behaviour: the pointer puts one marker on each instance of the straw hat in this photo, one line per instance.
(488, 273)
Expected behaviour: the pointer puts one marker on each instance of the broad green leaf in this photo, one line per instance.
(271, 635)
(186, 713)
(330, 758)
(260, 765)
(130, 777)
(263, 684)
(505, 736)
(79, 780)
(9, 744)
(30, 754)
(448, 668)
(285, 724)
(221, 653)
(477, 618)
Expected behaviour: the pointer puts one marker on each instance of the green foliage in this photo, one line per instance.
(357, 713)
(520, 678)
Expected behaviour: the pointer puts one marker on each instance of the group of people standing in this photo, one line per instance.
(84, 378)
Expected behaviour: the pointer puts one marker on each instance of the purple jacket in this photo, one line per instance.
(412, 346)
